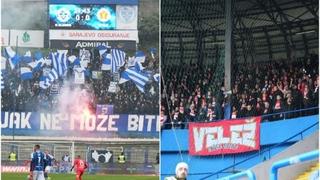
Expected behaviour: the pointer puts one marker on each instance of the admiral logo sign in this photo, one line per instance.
(84, 44)
(225, 137)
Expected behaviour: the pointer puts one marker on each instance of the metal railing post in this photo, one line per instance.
(247, 173)
(290, 161)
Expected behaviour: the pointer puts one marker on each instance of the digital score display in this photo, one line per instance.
(94, 17)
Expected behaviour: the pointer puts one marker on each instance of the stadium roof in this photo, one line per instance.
(262, 28)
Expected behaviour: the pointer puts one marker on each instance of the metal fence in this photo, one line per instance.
(141, 157)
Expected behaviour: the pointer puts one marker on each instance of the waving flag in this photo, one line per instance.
(38, 64)
(117, 59)
(12, 56)
(53, 75)
(44, 82)
(135, 74)
(59, 60)
(106, 62)
(26, 73)
(140, 57)
(131, 61)
(102, 49)
(27, 57)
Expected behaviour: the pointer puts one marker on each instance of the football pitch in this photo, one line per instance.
(23, 176)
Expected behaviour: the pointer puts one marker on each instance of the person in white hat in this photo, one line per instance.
(181, 172)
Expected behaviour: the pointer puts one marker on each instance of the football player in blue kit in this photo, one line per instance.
(48, 164)
(37, 165)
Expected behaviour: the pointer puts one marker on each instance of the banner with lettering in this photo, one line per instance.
(79, 125)
(224, 137)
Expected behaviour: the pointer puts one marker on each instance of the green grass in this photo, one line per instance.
(23, 176)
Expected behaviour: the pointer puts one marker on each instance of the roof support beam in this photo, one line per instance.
(228, 44)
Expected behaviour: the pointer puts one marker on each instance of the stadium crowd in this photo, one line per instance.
(26, 95)
(258, 89)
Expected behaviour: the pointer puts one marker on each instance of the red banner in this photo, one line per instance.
(224, 137)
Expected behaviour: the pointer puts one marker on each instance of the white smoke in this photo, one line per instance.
(24, 14)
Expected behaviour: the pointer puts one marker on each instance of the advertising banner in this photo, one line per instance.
(79, 125)
(127, 17)
(94, 35)
(4, 37)
(224, 137)
(27, 38)
(78, 44)
(15, 169)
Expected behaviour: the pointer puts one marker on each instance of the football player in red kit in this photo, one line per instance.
(80, 166)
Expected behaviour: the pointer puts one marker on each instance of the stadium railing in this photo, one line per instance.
(290, 161)
(268, 117)
(247, 173)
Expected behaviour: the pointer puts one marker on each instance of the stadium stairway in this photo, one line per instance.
(309, 173)
(290, 172)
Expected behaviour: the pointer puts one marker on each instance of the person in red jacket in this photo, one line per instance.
(80, 166)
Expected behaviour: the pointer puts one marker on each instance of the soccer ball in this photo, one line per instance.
(49, 178)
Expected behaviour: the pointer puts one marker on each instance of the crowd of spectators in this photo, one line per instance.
(26, 95)
(258, 89)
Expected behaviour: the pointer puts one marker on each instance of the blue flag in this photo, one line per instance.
(26, 73)
(140, 57)
(106, 62)
(12, 56)
(27, 57)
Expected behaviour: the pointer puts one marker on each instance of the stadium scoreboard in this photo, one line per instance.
(69, 16)
(117, 20)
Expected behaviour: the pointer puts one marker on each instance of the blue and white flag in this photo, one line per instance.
(117, 59)
(59, 60)
(124, 77)
(138, 66)
(38, 63)
(102, 49)
(12, 56)
(156, 77)
(135, 74)
(106, 62)
(140, 57)
(26, 73)
(53, 75)
(131, 61)
(27, 57)
(72, 58)
(44, 82)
